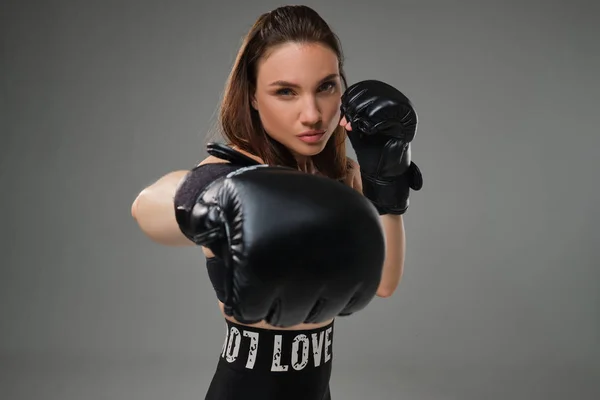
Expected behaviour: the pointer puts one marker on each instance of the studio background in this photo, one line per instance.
(500, 294)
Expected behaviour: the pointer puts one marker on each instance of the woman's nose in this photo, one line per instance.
(311, 113)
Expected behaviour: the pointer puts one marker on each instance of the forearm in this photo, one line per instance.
(393, 226)
(154, 212)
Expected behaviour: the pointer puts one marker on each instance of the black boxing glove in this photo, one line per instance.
(384, 123)
(292, 255)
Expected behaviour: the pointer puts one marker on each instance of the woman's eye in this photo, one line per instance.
(284, 92)
(325, 87)
(328, 86)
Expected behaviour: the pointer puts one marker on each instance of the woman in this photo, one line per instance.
(282, 107)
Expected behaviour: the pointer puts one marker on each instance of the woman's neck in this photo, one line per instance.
(305, 164)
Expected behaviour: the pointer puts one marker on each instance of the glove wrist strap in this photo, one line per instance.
(388, 196)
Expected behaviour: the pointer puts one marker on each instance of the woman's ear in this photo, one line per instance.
(252, 97)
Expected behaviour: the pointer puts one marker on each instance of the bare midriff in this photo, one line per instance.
(265, 325)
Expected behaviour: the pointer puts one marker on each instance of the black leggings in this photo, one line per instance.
(273, 364)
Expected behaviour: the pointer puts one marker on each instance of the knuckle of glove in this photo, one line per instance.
(375, 107)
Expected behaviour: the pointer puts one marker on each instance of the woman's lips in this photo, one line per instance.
(311, 136)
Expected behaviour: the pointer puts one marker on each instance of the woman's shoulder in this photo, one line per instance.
(210, 159)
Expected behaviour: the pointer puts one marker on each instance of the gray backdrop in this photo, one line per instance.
(500, 297)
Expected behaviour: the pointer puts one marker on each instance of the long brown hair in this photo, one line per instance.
(240, 123)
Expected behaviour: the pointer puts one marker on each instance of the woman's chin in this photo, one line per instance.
(308, 150)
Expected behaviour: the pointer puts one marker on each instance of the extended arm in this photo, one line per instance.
(260, 248)
(153, 208)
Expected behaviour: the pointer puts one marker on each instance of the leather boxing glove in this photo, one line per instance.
(293, 244)
(384, 123)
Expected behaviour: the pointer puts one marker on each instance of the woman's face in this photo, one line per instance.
(297, 96)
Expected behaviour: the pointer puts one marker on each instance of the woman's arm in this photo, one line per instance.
(393, 227)
(154, 208)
